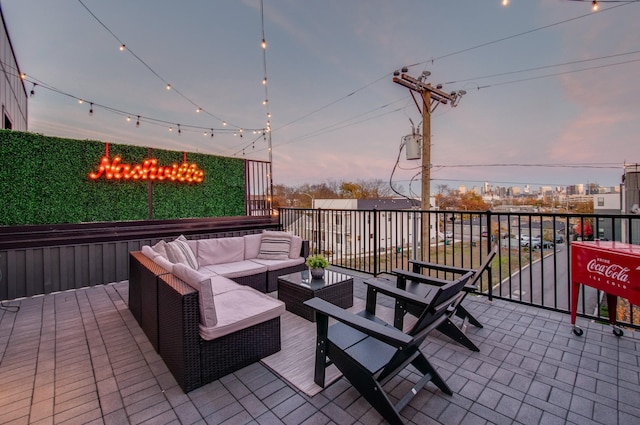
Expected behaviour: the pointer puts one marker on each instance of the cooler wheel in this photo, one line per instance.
(578, 331)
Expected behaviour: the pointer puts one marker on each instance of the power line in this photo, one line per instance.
(537, 68)
(609, 165)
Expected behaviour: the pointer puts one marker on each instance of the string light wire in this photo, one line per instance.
(167, 85)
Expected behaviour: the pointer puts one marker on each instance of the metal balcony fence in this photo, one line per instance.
(532, 265)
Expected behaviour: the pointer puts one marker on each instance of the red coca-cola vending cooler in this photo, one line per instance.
(612, 267)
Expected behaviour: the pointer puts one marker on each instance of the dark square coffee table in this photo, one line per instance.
(296, 288)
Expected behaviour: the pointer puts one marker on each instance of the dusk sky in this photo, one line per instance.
(571, 116)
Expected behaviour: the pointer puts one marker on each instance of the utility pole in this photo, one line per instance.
(431, 98)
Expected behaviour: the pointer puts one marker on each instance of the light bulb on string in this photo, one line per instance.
(224, 123)
(595, 6)
(122, 47)
(264, 81)
(212, 133)
(168, 86)
(23, 76)
(505, 2)
(264, 43)
(33, 90)
(198, 109)
(80, 101)
(179, 130)
(138, 121)
(91, 110)
(128, 119)
(170, 129)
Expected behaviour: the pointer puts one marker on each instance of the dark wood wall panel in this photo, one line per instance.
(31, 268)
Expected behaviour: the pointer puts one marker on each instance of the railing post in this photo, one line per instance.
(489, 243)
(376, 258)
(319, 232)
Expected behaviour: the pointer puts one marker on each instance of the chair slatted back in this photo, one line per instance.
(443, 297)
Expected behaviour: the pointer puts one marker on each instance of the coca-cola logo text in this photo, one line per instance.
(611, 271)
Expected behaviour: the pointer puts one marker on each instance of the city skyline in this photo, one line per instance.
(551, 94)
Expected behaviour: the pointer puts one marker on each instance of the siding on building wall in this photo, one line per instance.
(13, 94)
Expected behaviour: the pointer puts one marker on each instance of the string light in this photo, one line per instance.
(505, 2)
(122, 47)
(179, 130)
(170, 129)
(264, 43)
(595, 6)
(168, 86)
(126, 115)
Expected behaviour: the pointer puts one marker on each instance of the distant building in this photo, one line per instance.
(13, 94)
(609, 204)
(347, 226)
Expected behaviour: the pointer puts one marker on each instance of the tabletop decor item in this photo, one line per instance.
(317, 264)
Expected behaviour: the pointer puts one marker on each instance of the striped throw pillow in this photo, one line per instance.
(275, 246)
(179, 251)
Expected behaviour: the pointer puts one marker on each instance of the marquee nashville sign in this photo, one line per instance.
(148, 170)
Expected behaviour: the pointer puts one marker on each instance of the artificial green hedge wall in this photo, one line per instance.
(44, 180)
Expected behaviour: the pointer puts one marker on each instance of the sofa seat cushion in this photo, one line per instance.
(237, 269)
(240, 309)
(220, 250)
(280, 264)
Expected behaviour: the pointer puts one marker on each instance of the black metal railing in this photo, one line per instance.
(532, 266)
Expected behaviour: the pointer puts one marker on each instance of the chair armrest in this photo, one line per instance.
(416, 277)
(439, 267)
(397, 293)
(387, 334)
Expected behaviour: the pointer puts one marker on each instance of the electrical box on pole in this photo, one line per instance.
(431, 98)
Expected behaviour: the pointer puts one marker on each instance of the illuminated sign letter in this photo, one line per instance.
(148, 170)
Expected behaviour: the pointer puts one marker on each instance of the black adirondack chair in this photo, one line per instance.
(421, 285)
(369, 352)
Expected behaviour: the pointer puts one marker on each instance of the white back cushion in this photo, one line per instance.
(203, 284)
(220, 250)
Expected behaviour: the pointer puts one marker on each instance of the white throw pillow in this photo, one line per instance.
(161, 248)
(179, 251)
(275, 246)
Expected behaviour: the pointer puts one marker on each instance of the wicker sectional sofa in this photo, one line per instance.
(203, 324)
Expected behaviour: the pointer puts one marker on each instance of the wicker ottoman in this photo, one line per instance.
(296, 288)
